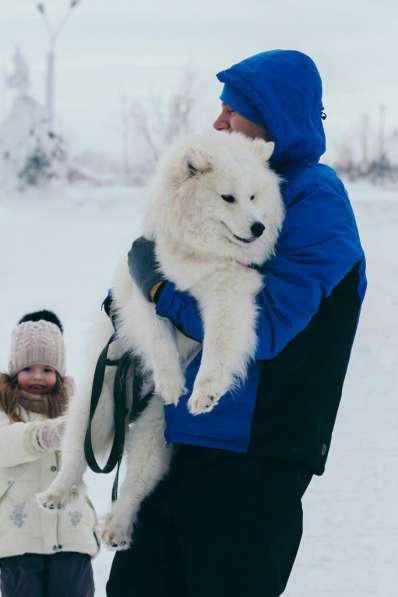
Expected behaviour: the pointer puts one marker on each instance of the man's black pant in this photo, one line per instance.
(219, 524)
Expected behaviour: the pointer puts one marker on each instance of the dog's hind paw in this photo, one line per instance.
(114, 534)
(56, 499)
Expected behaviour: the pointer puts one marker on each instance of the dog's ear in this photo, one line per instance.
(264, 149)
(197, 162)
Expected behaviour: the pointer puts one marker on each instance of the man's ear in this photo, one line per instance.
(197, 162)
(264, 149)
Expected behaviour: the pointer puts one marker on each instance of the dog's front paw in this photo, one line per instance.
(56, 498)
(170, 388)
(202, 403)
(206, 394)
(115, 532)
(204, 398)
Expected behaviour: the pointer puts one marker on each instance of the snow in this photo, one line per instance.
(59, 248)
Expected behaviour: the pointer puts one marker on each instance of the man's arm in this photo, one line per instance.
(319, 245)
(144, 268)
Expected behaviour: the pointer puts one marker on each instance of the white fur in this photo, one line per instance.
(198, 248)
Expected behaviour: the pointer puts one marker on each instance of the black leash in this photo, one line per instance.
(116, 452)
(120, 413)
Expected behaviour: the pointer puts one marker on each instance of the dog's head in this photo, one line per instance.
(217, 195)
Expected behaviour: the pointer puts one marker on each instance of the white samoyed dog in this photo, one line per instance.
(215, 211)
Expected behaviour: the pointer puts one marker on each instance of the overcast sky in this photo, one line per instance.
(115, 48)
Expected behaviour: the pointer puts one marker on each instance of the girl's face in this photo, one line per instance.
(37, 379)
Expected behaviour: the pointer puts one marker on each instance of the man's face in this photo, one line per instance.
(232, 122)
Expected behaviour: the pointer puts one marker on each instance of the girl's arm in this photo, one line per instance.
(18, 442)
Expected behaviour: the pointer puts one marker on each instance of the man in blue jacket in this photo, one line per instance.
(227, 520)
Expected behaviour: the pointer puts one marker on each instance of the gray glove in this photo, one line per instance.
(143, 267)
(50, 432)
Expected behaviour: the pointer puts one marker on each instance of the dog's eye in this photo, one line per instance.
(229, 198)
(252, 197)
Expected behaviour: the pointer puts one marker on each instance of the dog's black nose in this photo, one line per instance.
(257, 229)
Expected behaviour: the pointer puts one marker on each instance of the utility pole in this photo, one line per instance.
(3, 91)
(53, 34)
(126, 141)
(365, 140)
(382, 125)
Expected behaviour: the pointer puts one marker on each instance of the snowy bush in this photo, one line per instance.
(31, 154)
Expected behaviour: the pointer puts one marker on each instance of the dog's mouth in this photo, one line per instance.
(245, 240)
(240, 238)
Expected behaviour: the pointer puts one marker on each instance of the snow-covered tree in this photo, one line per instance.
(31, 153)
(19, 79)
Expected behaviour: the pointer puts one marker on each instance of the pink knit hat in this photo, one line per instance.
(37, 342)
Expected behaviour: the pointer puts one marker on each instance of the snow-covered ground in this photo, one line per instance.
(58, 250)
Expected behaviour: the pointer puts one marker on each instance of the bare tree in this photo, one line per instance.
(157, 122)
(346, 163)
(369, 152)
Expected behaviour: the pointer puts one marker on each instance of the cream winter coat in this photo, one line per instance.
(27, 469)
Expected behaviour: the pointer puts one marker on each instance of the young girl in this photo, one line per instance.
(42, 553)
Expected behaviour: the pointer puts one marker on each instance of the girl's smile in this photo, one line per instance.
(37, 379)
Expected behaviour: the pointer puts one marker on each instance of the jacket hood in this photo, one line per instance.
(286, 89)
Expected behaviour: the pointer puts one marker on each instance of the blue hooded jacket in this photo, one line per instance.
(318, 246)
